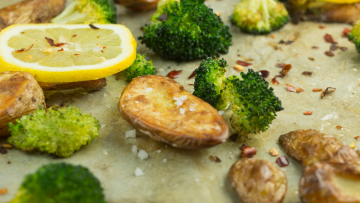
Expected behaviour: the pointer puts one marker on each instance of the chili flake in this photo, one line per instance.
(311, 59)
(315, 47)
(308, 112)
(290, 88)
(339, 127)
(174, 74)
(117, 76)
(274, 81)
(280, 65)
(343, 48)
(298, 90)
(243, 63)
(93, 27)
(51, 42)
(285, 70)
(215, 159)
(248, 152)
(317, 89)
(282, 161)
(345, 32)
(24, 50)
(307, 73)
(329, 38)
(321, 26)
(193, 74)
(329, 53)
(264, 74)
(3, 191)
(74, 35)
(357, 138)
(326, 91)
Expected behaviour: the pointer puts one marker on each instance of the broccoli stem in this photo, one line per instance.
(70, 15)
(265, 12)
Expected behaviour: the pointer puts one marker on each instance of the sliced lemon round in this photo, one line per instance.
(66, 53)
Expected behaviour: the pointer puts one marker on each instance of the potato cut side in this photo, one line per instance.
(160, 108)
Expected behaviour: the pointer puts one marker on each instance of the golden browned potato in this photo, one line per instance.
(258, 181)
(30, 11)
(87, 85)
(160, 108)
(330, 182)
(138, 5)
(309, 146)
(346, 155)
(20, 94)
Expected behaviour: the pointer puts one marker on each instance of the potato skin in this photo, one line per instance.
(20, 94)
(309, 146)
(138, 5)
(94, 85)
(155, 114)
(317, 183)
(258, 181)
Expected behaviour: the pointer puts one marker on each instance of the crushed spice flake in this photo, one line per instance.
(307, 73)
(239, 68)
(193, 74)
(329, 53)
(242, 147)
(191, 84)
(117, 76)
(352, 145)
(288, 42)
(24, 50)
(282, 161)
(343, 48)
(243, 63)
(61, 50)
(264, 74)
(3, 191)
(280, 65)
(281, 42)
(142, 29)
(298, 90)
(308, 113)
(93, 27)
(215, 159)
(274, 152)
(3, 150)
(174, 74)
(285, 70)
(75, 35)
(248, 152)
(290, 88)
(272, 36)
(163, 17)
(76, 54)
(317, 89)
(328, 38)
(51, 42)
(357, 138)
(311, 59)
(322, 26)
(345, 32)
(339, 127)
(98, 37)
(315, 47)
(327, 91)
(274, 81)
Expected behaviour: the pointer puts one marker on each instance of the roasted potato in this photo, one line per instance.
(30, 11)
(258, 181)
(346, 155)
(330, 182)
(309, 146)
(87, 85)
(20, 94)
(161, 108)
(138, 5)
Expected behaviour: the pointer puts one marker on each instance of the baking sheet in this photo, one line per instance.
(177, 175)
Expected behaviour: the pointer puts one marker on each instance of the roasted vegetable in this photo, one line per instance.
(330, 182)
(60, 182)
(260, 16)
(88, 11)
(354, 35)
(20, 94)
(138, 5)
(159, 107)
(258, 181)
(30, 11)
(185, 31)
(59, 131)
(140, 67)
(94, 85)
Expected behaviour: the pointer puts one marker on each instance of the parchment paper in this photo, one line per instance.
(177, 175)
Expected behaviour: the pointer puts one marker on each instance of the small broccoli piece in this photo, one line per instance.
(60, 182)
(260, 16)
(209, 82)
(185, 31)
(87, 12)
(354, 35)
(140, 67)
(254, 104)
(59, 131)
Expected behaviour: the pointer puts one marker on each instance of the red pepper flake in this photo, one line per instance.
(248, 152)
(51, 42)
(307, 73)
(280, 65)
(3, 191)
(308, 112)
(290, 88)
(174, 74)
(163, 17)
(74, 35)
(272, 36)
(333, 47)
(191, 84)
(357, 138)
(343, 48)
(339, 127)
(264, 74)
(315, 47)
(298, 90)
(326, 91)
(142, 29)
(117, 76)
(242, 147)
(60, 50)
(329, 38)
(243, 63)
(281, 42)
(93, 27)
(76, 54)
(321, 26)
(282, 161)
(193, 74)
(285, 70)
(345, 32)
(288, 42)
(274, 81)
(3, 150)
(24, 50)
(317, 89)
(329, 53)
(102, 51)
(311, 59)
(215, 159)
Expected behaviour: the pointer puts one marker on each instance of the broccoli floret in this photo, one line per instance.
(140, 67)
(59, 131)
(253, 103)
(185, 31)
(60, 182)
(209, 82)
(87, 12)
(354, 35)
(260, 16)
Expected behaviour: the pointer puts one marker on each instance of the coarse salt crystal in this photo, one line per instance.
(191, 109)
(105, 152)
(139, 172)
(182, 111)
(180, 100)
(130, 134)
(142, 154)
(221, 113)
(106, 95)
(164, 160)
(137, 102)
(134, 149)
(217, 127)
(103, 125)
(108, 106)
(197, 180)
(148, 89)
(158, 151)
(102, 58)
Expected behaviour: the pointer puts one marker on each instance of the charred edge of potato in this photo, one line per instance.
(330, 182)
(346, 155)
(258, 181)
(163, 133)
(309, 146)
(138, 5)
(94, 85)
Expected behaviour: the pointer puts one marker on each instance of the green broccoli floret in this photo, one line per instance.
(354, 35)
(140, 67)
(60, 182)
(209, 82)
(260, 16)
(185, 31)
(87, 12)
(253, 103)
(59, 131)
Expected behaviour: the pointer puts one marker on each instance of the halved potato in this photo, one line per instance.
(258, 181)
(20, 94)
(94, 85)
(138, 5)
(161, 108)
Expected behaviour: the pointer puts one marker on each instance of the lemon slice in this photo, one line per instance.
(66, 53)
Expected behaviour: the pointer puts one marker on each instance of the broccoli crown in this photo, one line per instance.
(260, 16)
(254, 104)
(60, 182)
(59, 131)
(354, 35)
(88, 11)
(140, 67)
(209, 82)
(185, 31)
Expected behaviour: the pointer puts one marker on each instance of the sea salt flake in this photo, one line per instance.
(221, 113)
(182, 111)
(149, 89)
(134, 149)
(103, 125)
(191, 109)
(137, 102)
(108, 106)
(164, 160)
(130, 134)
(139, 172)
(142, 154)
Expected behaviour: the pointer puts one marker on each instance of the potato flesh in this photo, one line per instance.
(149, 104)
